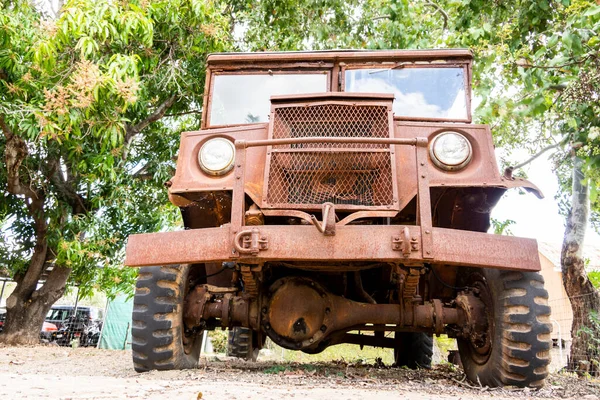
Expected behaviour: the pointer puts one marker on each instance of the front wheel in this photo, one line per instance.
(515, 348)
(160, 340)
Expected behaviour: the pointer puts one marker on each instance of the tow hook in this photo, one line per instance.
(327, 226)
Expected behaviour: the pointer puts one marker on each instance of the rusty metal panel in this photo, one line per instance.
(316, 97)
(305, 175)
(482, 171)
(476, 249)
(179, 247)
(351, 243)
(338, 56)
(190, 178)
(424, 201)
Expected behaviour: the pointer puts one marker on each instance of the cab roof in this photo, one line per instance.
(341, 56)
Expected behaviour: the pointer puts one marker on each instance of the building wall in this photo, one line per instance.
(558, 300)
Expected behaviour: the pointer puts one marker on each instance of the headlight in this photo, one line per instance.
(216, 156)
(451, 151)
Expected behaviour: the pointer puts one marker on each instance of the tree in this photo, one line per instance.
(90, 109)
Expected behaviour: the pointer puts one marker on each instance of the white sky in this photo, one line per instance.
(535, 218)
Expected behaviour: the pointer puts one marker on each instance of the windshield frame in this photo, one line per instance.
(281, 70)
(334, 63)
(404, 65)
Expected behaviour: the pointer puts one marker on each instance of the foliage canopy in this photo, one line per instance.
(89, 93)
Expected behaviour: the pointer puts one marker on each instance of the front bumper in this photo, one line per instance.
(409, 245)
(353, 243)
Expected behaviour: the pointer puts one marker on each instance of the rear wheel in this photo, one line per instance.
(515, 349)
(413, 350)
(159, 338)
(242, 343)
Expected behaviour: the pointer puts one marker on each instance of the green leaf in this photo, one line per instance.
(568, 39)
(553, 40)
(592, 11)
(114, 137)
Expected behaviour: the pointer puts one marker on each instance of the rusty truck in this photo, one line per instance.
(341, 197)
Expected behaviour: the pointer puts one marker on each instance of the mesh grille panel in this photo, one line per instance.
(362, 179)
(332, 120)
(309, 174)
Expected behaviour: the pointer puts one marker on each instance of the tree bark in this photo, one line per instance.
(25, 314)
(585, 299)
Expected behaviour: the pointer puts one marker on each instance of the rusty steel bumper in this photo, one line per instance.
(350, 244)
(337, 242)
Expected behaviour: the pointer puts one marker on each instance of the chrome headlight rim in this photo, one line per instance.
(203, 163)
(445, 165)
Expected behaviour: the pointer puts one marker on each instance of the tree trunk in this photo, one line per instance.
(25, 314)
(27, 306)
(585, 299)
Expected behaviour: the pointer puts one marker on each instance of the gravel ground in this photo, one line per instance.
(63, 373)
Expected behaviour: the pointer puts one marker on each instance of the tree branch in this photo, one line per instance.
(54, 287)
(65, 187)
(15, 152)
(132, 131)
(526, 64)
(508, 171)
(184, 113)
(157, 114)
(441, 11)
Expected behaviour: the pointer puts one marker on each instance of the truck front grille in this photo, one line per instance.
(306, 175)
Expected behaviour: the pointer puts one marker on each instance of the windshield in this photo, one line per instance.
(58, 314)
(418, 92)
(239, 99)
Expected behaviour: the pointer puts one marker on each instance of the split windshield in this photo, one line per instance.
(432, 92)
(437, 92)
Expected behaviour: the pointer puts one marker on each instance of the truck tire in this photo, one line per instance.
(158, 331)
(240, 344)
(414, 350)
(517, 352)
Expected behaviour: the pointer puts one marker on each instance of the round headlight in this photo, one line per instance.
(216, 156)
(451, 151)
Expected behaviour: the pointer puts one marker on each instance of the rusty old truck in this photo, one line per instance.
(341, 197)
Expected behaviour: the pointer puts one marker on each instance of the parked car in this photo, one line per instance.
(59, 314)
(84, 325)
(47, 331)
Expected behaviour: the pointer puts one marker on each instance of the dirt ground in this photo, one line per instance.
(48, 372)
